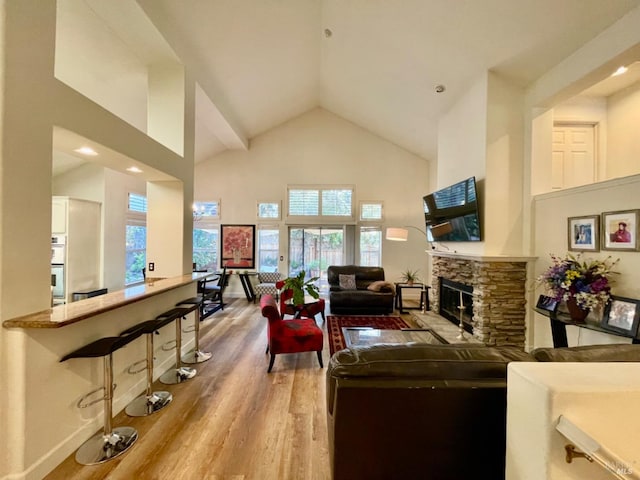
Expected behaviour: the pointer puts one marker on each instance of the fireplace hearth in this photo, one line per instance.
(453, 295)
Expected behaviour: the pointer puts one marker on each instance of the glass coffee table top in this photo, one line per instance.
(364, 336)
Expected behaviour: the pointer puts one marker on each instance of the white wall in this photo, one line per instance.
(321, 148)
(482, 136)
(551, 211)
(623, 152)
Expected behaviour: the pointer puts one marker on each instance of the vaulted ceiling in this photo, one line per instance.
(373, 62)
(376, 63)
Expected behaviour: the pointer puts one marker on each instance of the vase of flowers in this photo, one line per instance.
(581, 284)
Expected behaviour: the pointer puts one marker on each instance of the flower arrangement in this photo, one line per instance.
(585, 281)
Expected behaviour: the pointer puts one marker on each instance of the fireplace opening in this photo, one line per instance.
(452, 296)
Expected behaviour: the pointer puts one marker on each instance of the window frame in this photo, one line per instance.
(269, 202)
(363, 203)
(349, 219)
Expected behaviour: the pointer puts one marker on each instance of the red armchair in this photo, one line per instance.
(308, 310)
(290, 336)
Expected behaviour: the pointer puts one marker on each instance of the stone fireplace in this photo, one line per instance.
(495, 288)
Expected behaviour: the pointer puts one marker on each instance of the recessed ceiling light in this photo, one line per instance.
(134, 170)
(619, 71)
(86, 151)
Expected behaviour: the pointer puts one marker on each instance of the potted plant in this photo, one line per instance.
(410, 276)
(300, 287)
(583, 285)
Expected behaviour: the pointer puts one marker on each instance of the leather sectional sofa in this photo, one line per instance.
(360, 299)
(436, 412)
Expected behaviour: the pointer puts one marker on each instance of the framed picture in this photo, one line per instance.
(622, 315)
(620, 230)
(584, 233)
(547, 303)
(237, 246)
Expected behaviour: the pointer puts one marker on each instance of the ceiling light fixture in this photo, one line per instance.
(134, 170)
(327, 33)
(86, 151)
(440, 88)
(620, 71)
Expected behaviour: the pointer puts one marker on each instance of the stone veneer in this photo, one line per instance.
(498, 294)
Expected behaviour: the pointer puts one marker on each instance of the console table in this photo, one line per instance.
(560, 320)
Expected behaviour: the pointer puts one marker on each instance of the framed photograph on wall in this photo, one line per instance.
(584, 233)
(620, 230)
(237, 246)
(622, 315)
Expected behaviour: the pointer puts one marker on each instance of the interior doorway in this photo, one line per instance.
(313, 249)
(574, 159)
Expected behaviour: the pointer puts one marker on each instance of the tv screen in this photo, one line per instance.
(451, 214)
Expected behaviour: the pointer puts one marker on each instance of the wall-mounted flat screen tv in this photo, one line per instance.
(451, 214)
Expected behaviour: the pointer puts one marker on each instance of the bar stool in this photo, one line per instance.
(111, 442)
(197, 356)
(180, 373)
(150, 402)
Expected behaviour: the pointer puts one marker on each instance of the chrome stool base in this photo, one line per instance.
(178, 375)
(101, 448)
(146, 405)
(196, 357)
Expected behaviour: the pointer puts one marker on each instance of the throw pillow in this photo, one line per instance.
(382, 286)
(347, 282)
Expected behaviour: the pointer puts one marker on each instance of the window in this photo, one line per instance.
(268, 248)
(371, 246)
(269, 210)
(208, 210)
(205, 247)
(320, 202)
(206, 235)
(136, 238)
(371, 212)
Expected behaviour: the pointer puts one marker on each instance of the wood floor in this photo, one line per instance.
(233, 420)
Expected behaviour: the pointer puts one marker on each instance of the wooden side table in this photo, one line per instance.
(424, 296)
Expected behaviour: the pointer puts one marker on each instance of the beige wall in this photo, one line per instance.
(321, 148)
(623, 152)
(551, 211)
(481, 136)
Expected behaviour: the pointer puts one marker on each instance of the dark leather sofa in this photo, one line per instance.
(360, 301)
(435, 412)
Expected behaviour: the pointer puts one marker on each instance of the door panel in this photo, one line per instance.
(573, 159)
(313, 249)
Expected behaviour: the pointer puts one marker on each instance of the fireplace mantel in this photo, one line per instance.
(482, 258)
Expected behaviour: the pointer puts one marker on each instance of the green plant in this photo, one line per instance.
(410, 276)
(301, 287)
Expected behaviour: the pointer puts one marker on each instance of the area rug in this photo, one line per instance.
(335, 323)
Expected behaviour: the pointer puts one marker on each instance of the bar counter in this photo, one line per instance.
(67, 314)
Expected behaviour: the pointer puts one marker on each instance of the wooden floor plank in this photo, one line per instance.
(233, 420)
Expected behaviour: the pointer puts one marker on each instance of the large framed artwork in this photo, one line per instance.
(583, 233)
(237, 246)
(620, 230)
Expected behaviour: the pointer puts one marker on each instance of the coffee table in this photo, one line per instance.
(364, 336)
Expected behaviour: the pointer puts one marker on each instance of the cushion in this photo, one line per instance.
(347, 282)
(382, 286)
(268, 277)
(589, 353)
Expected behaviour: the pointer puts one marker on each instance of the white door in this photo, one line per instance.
(573, 161)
